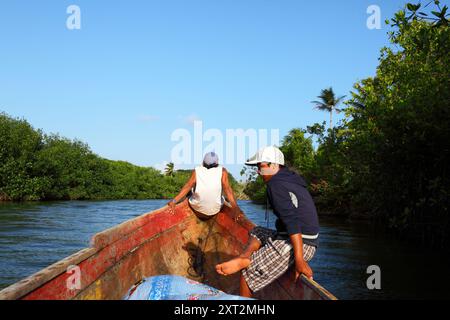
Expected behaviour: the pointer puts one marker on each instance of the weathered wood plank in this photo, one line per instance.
(27, 285)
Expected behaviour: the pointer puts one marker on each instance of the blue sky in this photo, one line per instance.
(138, 70)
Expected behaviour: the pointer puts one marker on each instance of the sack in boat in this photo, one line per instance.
(176, 288)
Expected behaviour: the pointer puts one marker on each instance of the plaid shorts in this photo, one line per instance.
(273, 259)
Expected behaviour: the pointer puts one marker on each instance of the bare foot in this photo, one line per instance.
(233, 266)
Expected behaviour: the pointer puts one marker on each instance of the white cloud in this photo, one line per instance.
(190, 119)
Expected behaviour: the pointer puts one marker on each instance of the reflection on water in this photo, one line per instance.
(35, 235)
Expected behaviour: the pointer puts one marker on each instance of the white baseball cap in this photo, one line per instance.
(268, 154)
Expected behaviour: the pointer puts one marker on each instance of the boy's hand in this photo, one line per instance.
(302, 267)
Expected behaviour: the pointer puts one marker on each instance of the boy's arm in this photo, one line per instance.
(228, 191)
(282, 202)
(301, 266)
(185, 190)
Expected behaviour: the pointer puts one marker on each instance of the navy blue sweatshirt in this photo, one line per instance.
(293, 205)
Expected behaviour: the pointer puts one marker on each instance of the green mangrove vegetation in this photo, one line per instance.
(35, 166)
(389, 158)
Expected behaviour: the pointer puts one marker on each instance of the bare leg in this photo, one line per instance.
(252, 246)
(240, 263)
(244, 289)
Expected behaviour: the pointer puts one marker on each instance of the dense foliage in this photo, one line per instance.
(389, 158)
(35, 166)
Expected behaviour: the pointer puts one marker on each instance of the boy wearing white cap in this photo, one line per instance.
(270, 253)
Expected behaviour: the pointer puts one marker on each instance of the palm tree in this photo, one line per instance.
(328, 102)
(169, 171)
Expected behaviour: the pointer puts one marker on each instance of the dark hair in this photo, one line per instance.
(210, 166)
(293, 169)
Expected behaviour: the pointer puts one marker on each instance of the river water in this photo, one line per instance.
(35, 235)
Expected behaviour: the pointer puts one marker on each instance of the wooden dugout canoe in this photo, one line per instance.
(157, 243)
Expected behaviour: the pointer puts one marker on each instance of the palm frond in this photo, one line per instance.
(321, 106)
(328, 102)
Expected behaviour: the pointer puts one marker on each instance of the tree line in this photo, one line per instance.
(35, 166)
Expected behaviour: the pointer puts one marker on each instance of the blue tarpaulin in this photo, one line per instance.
(176, 288)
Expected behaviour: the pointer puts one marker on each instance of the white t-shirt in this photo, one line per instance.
(207, 197)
